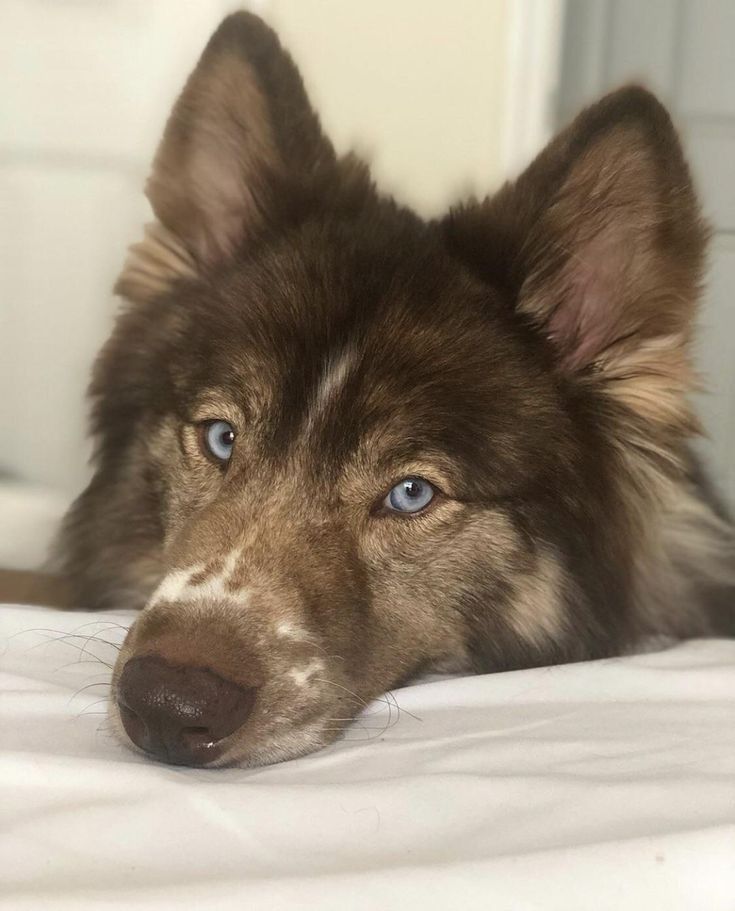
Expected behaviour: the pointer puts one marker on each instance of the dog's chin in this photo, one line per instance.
(298, 741)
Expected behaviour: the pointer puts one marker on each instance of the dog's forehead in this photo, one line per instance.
(310, 299)
(351, 342)
(319, 319)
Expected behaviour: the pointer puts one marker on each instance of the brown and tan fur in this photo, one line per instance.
(529, 355)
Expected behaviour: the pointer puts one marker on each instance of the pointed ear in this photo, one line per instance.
(600, 244)
(240, 133)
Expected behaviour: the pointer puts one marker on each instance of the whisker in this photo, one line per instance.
(352, 735)
(87, 687)
(356, 726)
(391, 695)
(67, 639)
(90, 685)
(94, 660)
(341, 687)
(59, 636)
(348, 718)
(388, 700)
(86, 711)
(112, 624)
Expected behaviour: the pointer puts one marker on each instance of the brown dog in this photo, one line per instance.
(338, 445)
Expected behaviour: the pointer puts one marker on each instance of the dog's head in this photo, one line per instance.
(339, 445)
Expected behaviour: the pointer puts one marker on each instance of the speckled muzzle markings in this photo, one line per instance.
(231, 625)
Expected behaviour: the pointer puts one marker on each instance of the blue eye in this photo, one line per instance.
(409, 495)
(218, 440)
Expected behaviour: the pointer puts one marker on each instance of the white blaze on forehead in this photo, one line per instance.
(332, 381)
(178, 587)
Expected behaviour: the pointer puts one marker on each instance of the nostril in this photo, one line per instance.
(135, 727)
(179, 712)
(197, 738)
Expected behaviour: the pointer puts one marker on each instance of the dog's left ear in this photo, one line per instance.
(600, 246)
(241, 144)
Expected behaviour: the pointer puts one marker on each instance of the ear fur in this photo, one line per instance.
(241, 131)
(601, 245)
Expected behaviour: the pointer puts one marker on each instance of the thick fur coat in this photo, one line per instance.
(527, 357)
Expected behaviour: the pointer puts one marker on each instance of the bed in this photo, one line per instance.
(605, 785)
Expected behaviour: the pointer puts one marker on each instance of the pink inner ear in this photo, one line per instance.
(589, 315)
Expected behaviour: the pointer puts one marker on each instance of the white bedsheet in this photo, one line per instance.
(604, 785)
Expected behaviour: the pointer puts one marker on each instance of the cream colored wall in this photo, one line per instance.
(418, 85)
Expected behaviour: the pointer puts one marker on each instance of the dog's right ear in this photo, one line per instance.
(241, 133)
(599, 247)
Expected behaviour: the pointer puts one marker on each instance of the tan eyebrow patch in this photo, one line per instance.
(214, 404)
(536, 610)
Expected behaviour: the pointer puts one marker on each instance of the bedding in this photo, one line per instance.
(606, 784)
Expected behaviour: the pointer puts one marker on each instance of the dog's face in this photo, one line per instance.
(339, 445)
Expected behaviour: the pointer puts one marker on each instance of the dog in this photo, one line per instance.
(338, 445)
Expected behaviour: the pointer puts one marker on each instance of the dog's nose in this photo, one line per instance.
(178, 713)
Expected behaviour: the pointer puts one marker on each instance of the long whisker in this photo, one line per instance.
(389, 701)
(85, 711)
(88, 687)
(59, 636)
(390, 694)
(112, 624)
(94, 660)
(359, 699)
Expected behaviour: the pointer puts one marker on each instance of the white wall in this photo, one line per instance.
(418, 86)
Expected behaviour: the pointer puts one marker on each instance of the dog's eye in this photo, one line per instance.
(409, 495)
(217, 439)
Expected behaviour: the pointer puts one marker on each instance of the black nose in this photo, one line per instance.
(180, 713)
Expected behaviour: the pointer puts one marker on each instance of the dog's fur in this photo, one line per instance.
(529, 355)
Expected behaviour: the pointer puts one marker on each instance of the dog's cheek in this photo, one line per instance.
(110, 546)
(415, 570)
(472, 593)
(188, 483)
